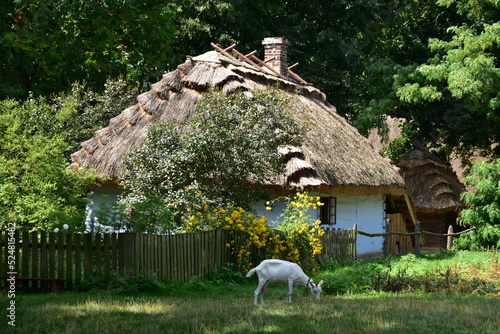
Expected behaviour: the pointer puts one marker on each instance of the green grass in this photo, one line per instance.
(226, 305)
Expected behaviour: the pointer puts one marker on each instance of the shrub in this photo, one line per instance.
(253, 240)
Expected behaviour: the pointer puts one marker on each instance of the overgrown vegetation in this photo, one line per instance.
(445, 273)
(365, 296)
(37, 190)
(451, 272)
(483, 207)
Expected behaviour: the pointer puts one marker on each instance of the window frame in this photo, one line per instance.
(328, 211)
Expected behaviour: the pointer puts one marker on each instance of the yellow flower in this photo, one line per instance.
(186, 189)
(268, 208)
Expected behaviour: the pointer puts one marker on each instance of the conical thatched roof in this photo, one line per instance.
(433, 185)
(334, 157)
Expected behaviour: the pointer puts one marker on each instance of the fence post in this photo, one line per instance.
(417, 238)
(355, 243)
(449, 241)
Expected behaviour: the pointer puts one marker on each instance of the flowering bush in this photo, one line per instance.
(299, 229)
(252, 240)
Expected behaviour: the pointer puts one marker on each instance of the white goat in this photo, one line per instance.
(279, 271)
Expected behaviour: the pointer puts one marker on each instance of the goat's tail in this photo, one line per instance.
(250, 273)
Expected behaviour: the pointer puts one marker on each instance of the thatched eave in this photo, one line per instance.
(432, 184)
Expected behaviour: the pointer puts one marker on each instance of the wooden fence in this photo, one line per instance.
(76, 257)
(417, 236)
(338, 245)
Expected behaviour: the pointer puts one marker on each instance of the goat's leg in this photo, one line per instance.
(261, 289)
(289, 292)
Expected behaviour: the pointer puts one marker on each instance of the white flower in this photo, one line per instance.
(56, 230)
(65, 226)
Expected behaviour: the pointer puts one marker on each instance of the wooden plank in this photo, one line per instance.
(52, 254)
(218, 241)
(175, 257)
(168, 257)
(139, 253)
(182, 257)
(161, 258)
(60, 255)
(198, 253)
(114, 253)
(98, 255)
(121, 254)
(25, 254)
(3, 254)
(78, 257)
(34, 255)
(17, 244)
(44, 262)
(190, 255)
(69, 258)
(87, 255)
(128, 259)
(107, 257)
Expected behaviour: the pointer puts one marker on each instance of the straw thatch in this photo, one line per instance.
(433, 185)
(334, 157)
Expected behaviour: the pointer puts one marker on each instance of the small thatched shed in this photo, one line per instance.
(435, 191)
(333, 160)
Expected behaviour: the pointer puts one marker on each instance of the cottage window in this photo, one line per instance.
(328, 211)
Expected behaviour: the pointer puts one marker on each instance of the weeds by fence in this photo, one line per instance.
(76, 257)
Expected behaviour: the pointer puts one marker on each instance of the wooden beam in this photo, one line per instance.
(242, 56)
(225, 53)
(268, 67)
(296, 76)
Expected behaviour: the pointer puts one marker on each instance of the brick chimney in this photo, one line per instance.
(276, 47)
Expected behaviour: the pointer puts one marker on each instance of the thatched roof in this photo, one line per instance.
(334, 157)
(433, 185)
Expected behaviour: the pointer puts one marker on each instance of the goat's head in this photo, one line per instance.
(315, 289)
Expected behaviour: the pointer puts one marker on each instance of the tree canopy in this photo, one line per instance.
(449, 90)
(483, 210)
(221, 158)
(46, 45)
(435, 64)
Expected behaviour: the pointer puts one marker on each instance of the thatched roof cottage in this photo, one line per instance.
(335, 161)
(435, 191)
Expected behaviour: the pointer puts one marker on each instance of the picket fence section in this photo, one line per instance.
(338, 245)
(76, 257)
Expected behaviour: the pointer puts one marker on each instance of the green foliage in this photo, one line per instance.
(47, 45)
(483, 210)
(299, 229)
(150, 215)
(451, 272)
(444, 78)
(232, 140)
(37, 190)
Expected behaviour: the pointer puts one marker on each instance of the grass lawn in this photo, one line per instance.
(222, 307)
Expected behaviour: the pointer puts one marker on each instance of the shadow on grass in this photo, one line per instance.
(79, 313)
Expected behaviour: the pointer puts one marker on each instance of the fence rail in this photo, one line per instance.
(417, 235)
(76, 257)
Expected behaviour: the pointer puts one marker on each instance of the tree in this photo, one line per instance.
(448, 92)
(37, 190)
(483, 210)
(332, 40)
(223, 156)
(47, 45)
